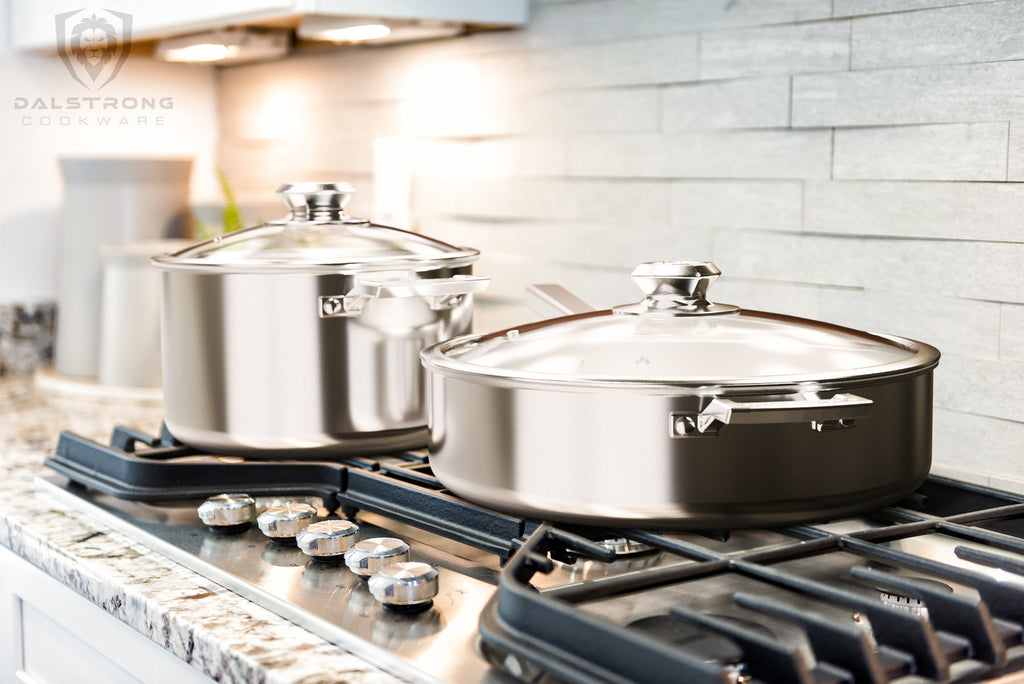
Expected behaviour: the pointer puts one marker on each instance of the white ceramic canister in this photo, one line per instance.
(129, 354)
(108, 200)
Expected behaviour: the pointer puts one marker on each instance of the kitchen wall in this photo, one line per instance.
(856, 161)
(32, 140)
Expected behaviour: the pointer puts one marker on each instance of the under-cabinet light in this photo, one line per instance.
(232, 45)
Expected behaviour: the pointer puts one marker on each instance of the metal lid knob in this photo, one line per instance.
(678, 287)
(285, 521)
(327, 540)
(228, 512)
(405, 586)
(371, 555)
(318, 201)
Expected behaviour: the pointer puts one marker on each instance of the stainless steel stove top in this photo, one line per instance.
(437, 645)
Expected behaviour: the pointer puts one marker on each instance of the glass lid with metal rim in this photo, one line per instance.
(318, 236)
(676, 337)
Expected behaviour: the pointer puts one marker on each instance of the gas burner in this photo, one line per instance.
(904, 601)
(626, 548)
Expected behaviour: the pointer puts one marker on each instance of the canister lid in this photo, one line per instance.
(318, 236)
(676, 338)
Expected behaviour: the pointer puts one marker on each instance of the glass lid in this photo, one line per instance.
(676, 337)
(319, 236)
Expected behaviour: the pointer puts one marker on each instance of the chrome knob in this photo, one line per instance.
(228, 512)
(405, 586)
(327, 540)
(318, 201)
(678, 287)
(371, 555)
(282, 523)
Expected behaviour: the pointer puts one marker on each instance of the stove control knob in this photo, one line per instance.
(282, 523)
(228, 512)
(406, 587)
(327, 540)
(371, 555)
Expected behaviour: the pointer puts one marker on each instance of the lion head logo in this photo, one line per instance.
(93, 44)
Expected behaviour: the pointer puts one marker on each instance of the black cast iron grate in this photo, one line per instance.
(956, 637)
(404, 490)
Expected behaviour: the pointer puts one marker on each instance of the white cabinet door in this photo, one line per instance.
(51, 635)
(34, 22)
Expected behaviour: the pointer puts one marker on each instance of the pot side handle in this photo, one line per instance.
(839, 411)
(440, 293)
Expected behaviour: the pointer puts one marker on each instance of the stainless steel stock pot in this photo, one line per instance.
(677, 412)
(301, 336)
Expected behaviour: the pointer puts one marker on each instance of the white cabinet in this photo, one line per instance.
(33, 23)
(51, 635)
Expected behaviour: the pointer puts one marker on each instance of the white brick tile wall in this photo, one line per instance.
(668, 59)
(1011, 339)
(739, 103)
(1015, 154)
(610, 20)
(715, 154)
(856, 161)
(953, 211)
(791, 49)
(994, 271)
(980, 387)
(961, 152)
(774, 205)
(955, 326)
(978, 32)
(853, 8)
(607, 201)
(941, 94)
(967, 441)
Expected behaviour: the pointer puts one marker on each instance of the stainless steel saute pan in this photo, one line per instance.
(679, 412)
(301, 337)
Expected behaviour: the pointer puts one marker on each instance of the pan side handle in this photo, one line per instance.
(551, 301)
(837, 412)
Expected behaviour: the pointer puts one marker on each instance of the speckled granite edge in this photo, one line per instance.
(223, 635)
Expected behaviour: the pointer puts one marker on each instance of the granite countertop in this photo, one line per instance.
(225, 636)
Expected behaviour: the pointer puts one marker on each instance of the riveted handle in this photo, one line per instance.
(440, 293)
(840, 410)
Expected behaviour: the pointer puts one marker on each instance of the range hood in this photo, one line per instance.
(42, 25)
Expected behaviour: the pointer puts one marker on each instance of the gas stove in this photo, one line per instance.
(930, 589)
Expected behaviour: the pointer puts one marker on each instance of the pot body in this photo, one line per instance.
(251, 366)
(614, 458)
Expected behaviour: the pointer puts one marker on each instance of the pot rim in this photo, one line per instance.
(465, 257)
(923, 359)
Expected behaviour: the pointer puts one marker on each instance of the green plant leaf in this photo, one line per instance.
(232, 216)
